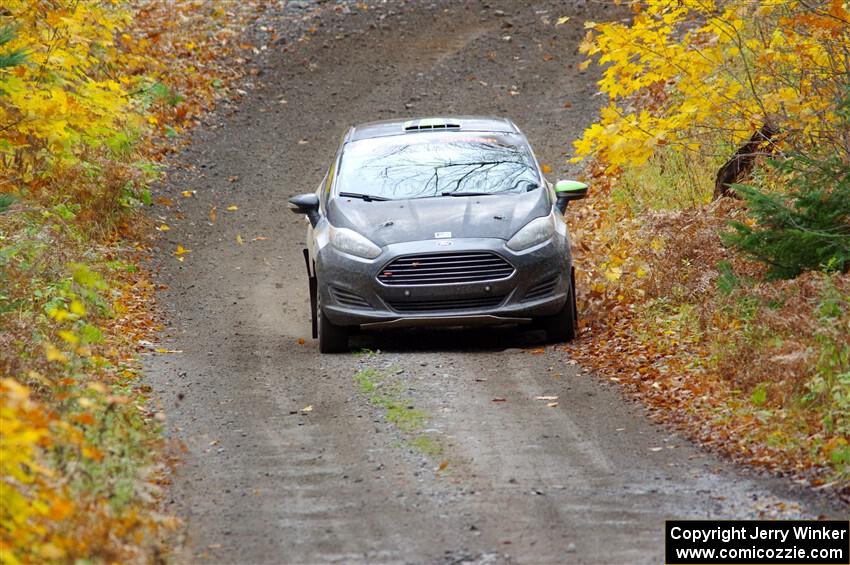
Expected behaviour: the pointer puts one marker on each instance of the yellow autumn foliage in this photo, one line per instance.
(704, 331)
(84, 88)
(32, 500)
(67, 98)
(703, 75)
(92, 94)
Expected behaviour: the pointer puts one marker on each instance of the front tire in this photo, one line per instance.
(332, 338)
(561, 327)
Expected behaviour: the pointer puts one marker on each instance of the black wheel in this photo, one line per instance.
(573, 298)
(562, 326)
(332, 338)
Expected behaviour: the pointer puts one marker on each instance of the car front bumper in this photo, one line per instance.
(352, 295)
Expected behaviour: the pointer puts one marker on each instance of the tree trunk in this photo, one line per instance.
(741, 164)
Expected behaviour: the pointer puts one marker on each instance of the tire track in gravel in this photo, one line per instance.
(264, 481)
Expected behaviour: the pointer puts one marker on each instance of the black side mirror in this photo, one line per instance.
(567, 190)
(306, 204)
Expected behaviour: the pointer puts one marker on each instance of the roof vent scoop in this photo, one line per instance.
(429, 124)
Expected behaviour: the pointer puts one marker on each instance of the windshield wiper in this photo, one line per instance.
(364, 197)
(532, 185)
(451, 193)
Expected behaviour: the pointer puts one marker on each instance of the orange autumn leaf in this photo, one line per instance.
(85, 418)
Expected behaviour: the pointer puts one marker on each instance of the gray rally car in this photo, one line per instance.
(437, 222)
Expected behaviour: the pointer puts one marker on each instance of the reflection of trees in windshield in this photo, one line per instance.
(420, 170)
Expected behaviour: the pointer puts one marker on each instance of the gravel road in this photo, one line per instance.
(293, 457)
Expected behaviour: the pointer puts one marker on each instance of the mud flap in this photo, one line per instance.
(314, 289)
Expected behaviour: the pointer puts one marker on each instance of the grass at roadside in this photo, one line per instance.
(716, 250)
(755, 368)
(80, 442)
(92, 96)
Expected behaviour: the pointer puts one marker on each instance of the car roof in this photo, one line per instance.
(434, 123)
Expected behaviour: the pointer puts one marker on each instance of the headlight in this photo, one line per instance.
(351, 242)
(536, 231)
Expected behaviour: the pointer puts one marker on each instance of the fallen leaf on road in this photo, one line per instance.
(163, 227)
(499, 399)
(165, 201)
(552, 405)
(443, 465)
(547, 398)
(656, 448)
(213, 214)
(303, 142)
(239, 239)
(300, 341)
(259, 238)
(307, 408)
(214, 442)
(234, 178)
(613, 273)
(188, 193)
(562, 20)
(181, 250)
(232, 208)
(163, 350)
(547, 169)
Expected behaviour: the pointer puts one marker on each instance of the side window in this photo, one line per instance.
(328, 182)
(325, 187)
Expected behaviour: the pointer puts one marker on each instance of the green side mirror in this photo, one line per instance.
(566, 190)
(571, 186)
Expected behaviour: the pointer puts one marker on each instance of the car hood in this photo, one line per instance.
(397, 221)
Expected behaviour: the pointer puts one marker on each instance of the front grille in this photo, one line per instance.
(541, 289)
(446, 304)
(348, 298)
(445, 268)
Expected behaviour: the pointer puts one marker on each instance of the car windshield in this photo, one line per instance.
(422, 165)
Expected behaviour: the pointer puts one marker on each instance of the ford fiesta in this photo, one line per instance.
(437, 222)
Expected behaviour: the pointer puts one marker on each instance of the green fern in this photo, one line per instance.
(6, 201)
(11, 58)
(806, 229)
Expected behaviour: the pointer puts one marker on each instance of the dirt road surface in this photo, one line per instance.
(288, 460)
